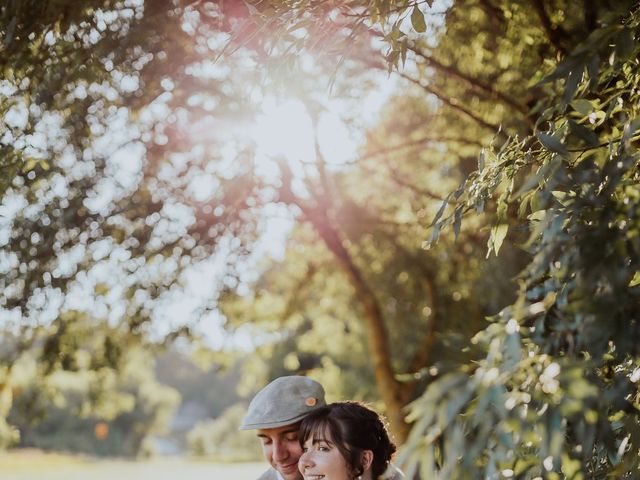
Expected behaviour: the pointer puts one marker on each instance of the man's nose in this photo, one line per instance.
(280, 451)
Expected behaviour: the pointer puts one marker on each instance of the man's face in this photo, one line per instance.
(281, 448)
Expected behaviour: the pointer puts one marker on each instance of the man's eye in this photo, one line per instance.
(293, 437)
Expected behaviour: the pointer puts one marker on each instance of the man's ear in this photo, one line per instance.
(366, 459)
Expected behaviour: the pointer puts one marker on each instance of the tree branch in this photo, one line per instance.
(469, 80)
(590, 15)
(418, 142)
(453, 103)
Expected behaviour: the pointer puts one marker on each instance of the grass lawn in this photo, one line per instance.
(31, 465)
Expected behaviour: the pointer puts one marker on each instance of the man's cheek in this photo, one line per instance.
(295, 448)
(266, 451)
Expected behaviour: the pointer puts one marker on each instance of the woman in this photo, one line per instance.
(344, 441)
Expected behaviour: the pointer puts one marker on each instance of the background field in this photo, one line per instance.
(31, 465)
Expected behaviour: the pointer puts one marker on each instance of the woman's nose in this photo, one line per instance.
(306, 460)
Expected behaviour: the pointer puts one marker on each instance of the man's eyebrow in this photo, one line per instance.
(284, 432)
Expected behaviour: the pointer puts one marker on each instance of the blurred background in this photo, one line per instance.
(414, 203)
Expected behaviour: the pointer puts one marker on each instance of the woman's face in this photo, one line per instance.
(321, 460)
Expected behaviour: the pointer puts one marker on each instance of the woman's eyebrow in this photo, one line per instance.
(319, 440)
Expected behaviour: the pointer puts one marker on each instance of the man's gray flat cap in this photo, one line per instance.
(284, 401)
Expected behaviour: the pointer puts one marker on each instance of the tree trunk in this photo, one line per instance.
(390, 389)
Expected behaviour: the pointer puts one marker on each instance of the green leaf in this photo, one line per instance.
(417, 20)
(435, 235)
(613, 104)
(564, 68)
(524, 203)
(552, 143)
(582, 106)
(498, 234)
(593, 69)
(585, 134)
(571, 85)
(457, 222)
(630, 129)
(624, 44)
(445, 202)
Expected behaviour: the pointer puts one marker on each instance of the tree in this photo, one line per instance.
(550, 386)
(473, 81)
(88, 223)
(136, 82)
(554, 391)
(220, 437)
(86, 408)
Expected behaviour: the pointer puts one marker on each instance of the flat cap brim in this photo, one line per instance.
(276, 424)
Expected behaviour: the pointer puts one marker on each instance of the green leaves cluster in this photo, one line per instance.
(76, 81)
(58, 400)
(554, 393)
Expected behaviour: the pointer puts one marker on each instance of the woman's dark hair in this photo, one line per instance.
(353, 428)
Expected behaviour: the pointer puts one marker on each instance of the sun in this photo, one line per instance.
(284, 129)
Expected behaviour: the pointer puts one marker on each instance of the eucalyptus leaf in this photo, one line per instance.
(498, 234)
(571, 85)
(585, 134)
(457, 222)
(583, 106)
(552, 143)
(625, 43)
(417, 20)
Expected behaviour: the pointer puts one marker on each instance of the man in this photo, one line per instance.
(276, 412)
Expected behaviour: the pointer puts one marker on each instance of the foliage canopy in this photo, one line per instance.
(548, 388)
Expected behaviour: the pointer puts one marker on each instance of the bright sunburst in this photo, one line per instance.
(284, 129)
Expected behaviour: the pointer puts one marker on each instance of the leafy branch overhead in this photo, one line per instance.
(560, 367)
(127, 173)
